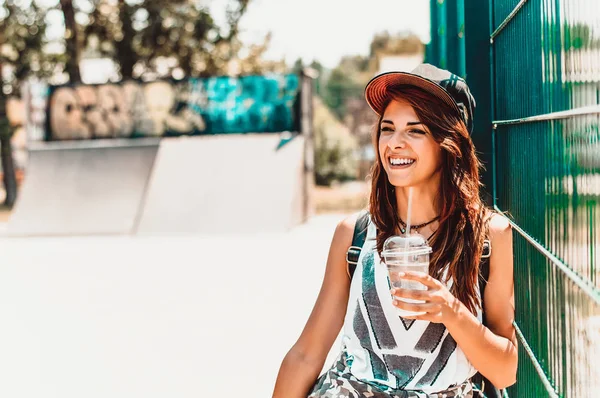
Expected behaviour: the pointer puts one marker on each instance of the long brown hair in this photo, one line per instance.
(458, 240)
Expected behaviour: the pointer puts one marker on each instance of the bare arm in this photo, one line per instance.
(492, 349)
(302, 364)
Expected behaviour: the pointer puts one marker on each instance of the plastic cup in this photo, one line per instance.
(406, 254)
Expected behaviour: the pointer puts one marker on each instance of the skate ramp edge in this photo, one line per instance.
(225, 184)
(84, 188)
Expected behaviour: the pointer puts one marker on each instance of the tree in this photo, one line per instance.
(298, 66)
(21, 33)
(345, 81)
(178, 33)
(253, 62)
(124, 47)
(348, 79)
(71, 41)
(8, 177)
(339, 87)
(385, 44)
(334, 147)
(578, 36)
(403, 43)
(321, 77)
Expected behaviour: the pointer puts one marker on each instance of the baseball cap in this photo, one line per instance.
(445, 85)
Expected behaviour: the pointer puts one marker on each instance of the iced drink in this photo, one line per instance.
(406, 254)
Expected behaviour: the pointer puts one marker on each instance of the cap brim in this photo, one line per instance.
(376, 89)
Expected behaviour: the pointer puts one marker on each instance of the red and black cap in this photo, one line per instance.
(445, 85)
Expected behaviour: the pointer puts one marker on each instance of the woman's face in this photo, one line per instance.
(408, 152)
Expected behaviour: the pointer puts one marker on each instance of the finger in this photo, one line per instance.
(431, 296)
(417, 307)
(424, 295)
(422, 277)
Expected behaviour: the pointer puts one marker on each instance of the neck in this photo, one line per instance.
(424, 206)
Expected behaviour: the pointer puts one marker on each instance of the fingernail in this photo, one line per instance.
(395, 302)
(401, 274)
(392, 291)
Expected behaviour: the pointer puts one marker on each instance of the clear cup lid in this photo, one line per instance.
(413, 244)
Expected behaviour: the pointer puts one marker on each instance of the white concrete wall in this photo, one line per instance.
(223, 184)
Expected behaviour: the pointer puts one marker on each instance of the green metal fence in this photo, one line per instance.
(535, 70)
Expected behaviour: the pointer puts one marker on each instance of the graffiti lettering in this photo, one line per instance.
(218, 105)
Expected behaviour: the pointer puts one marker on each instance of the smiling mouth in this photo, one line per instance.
(400, 162)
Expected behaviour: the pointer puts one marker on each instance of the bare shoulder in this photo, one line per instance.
(345, 228)
(499, 224)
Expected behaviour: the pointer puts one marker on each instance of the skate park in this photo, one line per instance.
(143, 176)
(168, 237)
(119, 257)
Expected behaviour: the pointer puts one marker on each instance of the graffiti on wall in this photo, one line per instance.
(216, 105)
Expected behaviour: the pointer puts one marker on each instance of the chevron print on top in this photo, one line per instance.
(448, 347)
(362, 332)
(431, 338)
(421, 354)
(379, 324)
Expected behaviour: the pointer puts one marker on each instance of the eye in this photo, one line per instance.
(387, 129)
(417, 131)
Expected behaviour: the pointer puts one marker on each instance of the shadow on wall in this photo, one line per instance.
(216, 105)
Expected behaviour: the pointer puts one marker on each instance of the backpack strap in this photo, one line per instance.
(358, 240)
(484, 266)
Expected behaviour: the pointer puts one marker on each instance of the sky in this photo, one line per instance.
(326, 30)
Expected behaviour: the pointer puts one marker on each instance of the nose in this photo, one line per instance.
(397, 141)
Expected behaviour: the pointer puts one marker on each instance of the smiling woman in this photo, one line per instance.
(405, 143)
(464, 327)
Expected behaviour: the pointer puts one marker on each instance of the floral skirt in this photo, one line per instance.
(339, 382)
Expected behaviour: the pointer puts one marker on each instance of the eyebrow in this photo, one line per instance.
(408, 124)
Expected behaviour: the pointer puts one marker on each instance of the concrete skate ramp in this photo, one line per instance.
(83, 188)
(226, 184)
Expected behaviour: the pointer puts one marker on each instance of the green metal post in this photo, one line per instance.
(478, 72)
(460, 23)
(433, 52)
(455, 50)
(441, 33)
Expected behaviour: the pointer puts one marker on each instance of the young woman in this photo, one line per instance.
(423, 142)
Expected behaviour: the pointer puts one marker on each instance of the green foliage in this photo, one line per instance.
(183, 31)
(140, 36)
(321, 78)
(347, 80)
(341, 85)
(404, 43)
(579, 36)
(22, 32)
(298, 66)
(5, 129)
(335, 147)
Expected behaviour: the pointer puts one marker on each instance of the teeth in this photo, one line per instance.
(397, 161)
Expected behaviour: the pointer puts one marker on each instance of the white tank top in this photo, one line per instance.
(388, 351)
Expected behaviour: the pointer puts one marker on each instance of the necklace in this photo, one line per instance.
(416, 227)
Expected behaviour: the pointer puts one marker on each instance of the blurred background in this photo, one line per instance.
(93, 70)
(173, 172)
